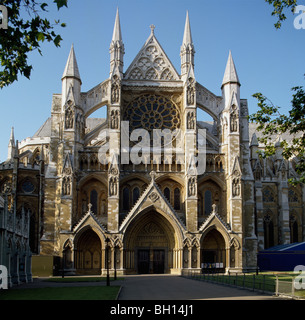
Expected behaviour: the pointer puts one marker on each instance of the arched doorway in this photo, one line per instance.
(150, 242)
(213, 252)
(88, 254)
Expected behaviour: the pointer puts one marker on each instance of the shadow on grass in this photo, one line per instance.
(65, 293)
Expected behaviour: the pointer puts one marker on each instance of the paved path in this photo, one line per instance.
(163, 287)
(177, 288)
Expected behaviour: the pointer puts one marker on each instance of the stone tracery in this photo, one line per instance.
(152, 112)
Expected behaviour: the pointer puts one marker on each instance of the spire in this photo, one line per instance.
(187, 51)
(117, 47)
(71, 69)
(254, 140)
(11, 146)
(117, 33)
(187, 38)
(230, 75)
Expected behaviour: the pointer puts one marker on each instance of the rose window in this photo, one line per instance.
(152, 112)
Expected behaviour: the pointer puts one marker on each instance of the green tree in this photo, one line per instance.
(279, 9)
(273, 124)
(27, 29)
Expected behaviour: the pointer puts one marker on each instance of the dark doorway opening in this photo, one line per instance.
(151, 261)
(159, 259)
(143, 261)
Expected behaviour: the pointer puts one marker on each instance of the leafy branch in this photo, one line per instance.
(273, 125)
(279, 7)
(24, 36)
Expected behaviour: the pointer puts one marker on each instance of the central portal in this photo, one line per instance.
(151, 261)
(150, 244)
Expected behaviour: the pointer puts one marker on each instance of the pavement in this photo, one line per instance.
(168, 287)
(162, 287)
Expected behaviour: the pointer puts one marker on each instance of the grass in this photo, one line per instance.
(65, 293)
(263, 281)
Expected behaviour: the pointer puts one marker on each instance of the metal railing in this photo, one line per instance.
(269, 283)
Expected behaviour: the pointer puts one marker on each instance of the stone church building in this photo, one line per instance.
(87, 196)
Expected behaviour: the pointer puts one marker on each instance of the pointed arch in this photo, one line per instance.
(88, 251)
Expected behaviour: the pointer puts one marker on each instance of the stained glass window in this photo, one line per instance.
(135, 195)
(152, 112)
(93, 201)
(28, 186)
(126, 198)
(208, 202)
(167, 193)
(268, 195)
(292, 196)
(177, 199)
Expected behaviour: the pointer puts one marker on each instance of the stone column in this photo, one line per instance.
(189, 257)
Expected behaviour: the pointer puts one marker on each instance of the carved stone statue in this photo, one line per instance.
(115, 90)
(233, 121)
(236, 187)
(69, 118)
(190, 93)
(66, 186)
(115, 119)
(192, 187)
(113, 187)
(191, 120)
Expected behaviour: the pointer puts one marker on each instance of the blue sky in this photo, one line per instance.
(267, 60)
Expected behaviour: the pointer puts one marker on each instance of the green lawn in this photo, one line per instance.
(72, 293)
(263, 281)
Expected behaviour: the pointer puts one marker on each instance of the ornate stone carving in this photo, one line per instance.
(152, 228)
(152, 64)
(191, 120)
(236, 187)
(234, 120)
(66, 186)
(153, 112)
(114, 172)
(115, 90)
(190, 93)
(113, 186)
(153, 197)
(69, 118)
(115, 115)
(192, 187)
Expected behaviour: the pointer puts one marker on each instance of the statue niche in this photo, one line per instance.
(115, 90)
(66, 186)
(191, 120)
(234, 120)
(69, 117)
(190, 95)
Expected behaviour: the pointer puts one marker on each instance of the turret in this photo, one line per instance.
(230, 82)
(71, 78)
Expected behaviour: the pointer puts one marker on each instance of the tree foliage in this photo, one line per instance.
(24, 35)
(279, 8)
(273, 125)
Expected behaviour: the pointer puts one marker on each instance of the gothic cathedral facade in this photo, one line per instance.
(88, 197)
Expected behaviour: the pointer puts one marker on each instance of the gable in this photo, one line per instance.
(153, 198)
(152, 63)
